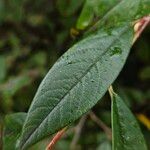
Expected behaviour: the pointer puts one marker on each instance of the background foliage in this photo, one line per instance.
(33, 34)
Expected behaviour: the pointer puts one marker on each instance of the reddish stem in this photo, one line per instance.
(139, 26)
(56, 139)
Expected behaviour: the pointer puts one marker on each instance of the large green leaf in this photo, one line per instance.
(76, 82)
(12, 130)
(126, 132)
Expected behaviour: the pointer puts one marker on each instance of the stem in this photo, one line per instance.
(56, 139)
(78, 131)
(111, 91)
(106, 129)
(139, 26)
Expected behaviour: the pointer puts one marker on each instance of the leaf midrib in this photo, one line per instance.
(74, 85)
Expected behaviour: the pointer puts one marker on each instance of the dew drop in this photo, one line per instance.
(69, 62)
(92, 80)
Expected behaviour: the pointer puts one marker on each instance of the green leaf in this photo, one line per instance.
(93, 8)
(14, 84)
(145, 73)
(11, 10)
(86, 16)
(12, 130)
(116, 15)
(76, 83)
(126, 131)
(2, 68)
(67, 8)
(105, 146)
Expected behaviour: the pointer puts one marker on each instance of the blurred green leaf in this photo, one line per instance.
(13, 126)
(14, 84)
(116, 16)
(38, 59)
(2, 68)
(68, 7)
(11, 10)
(93, 8)
(145, 73)
(86, 16)
(104, 146)
(126, 131)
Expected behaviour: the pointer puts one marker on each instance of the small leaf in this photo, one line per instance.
(11, 10)
(126, 131)
(12, 130)
(76, 82)
(86, 16)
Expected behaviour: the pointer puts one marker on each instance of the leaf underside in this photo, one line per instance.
(126, 132)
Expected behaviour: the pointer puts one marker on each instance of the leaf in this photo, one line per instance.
(116, 15)
(14, 84)
(11, 10)
(68, 8)
(105, 146)
(86, 16)
(93, 8)
(126, 131)
(2, 68)
(76, 83)
(12, 130)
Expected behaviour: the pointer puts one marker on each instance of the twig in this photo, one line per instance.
(99, 122)
(56, 138)
(78, 131)
(139, 26)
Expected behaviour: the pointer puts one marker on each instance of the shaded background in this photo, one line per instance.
(33, 35)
